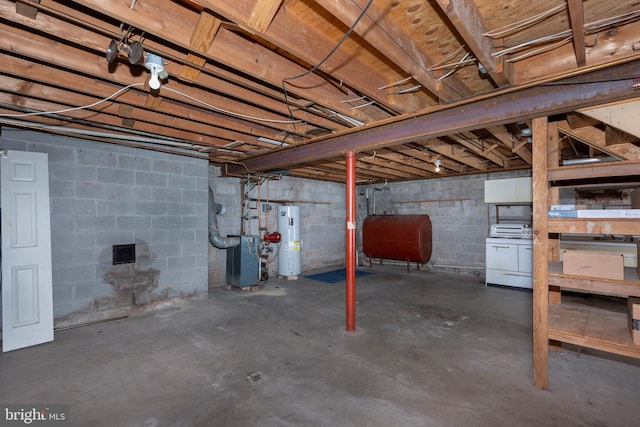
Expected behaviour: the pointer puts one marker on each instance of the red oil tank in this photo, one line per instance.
(400, 237)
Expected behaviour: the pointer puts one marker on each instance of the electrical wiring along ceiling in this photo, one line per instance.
(238, 81)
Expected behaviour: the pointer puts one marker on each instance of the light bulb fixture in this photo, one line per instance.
(112, 51)
(155, 65)
(134, 50)
(4, 153)
(437, 163)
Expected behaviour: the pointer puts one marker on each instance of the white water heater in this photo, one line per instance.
(290, 245)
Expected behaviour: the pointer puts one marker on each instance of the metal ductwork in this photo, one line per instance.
(214, 232)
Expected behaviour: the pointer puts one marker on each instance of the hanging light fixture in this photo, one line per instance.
(155, 65)
(437, 163)
(135, 52)
(133, 49)
(112, 51)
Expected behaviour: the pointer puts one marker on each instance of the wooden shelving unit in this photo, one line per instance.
(556, 318)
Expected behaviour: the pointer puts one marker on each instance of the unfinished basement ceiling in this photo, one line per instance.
(248, 78)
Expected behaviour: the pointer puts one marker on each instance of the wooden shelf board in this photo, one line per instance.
(593, 170)
(591, 327)
(630, 286)
(594, 225)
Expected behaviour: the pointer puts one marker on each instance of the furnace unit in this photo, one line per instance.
(243, 262)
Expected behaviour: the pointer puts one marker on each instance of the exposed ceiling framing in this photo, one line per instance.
(257, 85)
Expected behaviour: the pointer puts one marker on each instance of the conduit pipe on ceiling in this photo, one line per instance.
(215, 238)
(158, 139)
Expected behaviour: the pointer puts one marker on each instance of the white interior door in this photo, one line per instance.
(27, 295)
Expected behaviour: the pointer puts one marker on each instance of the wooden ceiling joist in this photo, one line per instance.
(201, 40)
(576, 13)
(262, 14)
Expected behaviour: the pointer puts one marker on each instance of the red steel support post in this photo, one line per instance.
(351, 241)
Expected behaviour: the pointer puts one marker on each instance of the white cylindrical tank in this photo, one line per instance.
(290, 245)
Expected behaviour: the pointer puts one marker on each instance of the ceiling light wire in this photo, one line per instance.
(355, 107)
(457, 66)
(446, 58)
(231, 113)
(407, 90)
(590, 28)
(353, 99)
(540, 50)
(335, 48)
(510, 28)
(315, 67)
(398, 83)
(132, 85)
(84, 107)
(463, 61)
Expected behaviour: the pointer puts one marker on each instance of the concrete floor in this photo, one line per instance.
(432, 349)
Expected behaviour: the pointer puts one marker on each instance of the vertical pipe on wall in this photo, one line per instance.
(351, 241)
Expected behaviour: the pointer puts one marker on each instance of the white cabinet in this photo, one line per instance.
(509, 262)
(525, 258)
(512, 190)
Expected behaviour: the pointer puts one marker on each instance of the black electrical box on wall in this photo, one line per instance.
(124, 254)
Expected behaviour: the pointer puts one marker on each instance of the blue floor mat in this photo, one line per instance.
(335, 276)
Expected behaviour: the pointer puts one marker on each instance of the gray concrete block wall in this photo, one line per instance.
(103, 195)
(460, 227)
(322, 212)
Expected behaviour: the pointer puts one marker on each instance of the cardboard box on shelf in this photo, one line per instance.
(634, 319)
(603, 265)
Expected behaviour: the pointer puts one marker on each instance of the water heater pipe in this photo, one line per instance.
(214, 232)
(351, 241)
